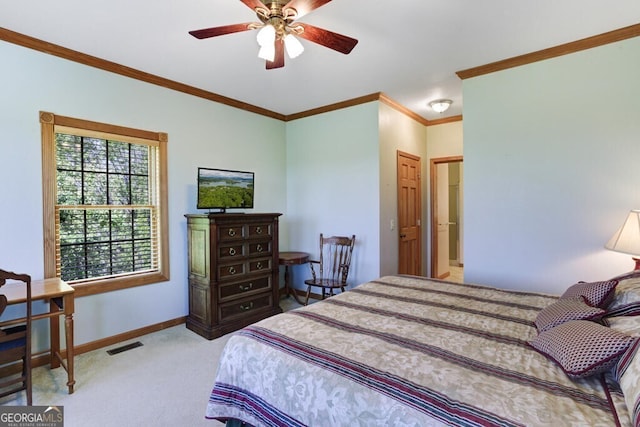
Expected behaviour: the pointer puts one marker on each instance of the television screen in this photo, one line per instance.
(224, 189)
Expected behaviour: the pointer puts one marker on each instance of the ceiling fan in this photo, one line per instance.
(278, 30)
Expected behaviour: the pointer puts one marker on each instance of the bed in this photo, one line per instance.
(412, 351)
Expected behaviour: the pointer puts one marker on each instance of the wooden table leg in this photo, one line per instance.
(68, 320)
(287, 285)
(66, 304)
(54, 331)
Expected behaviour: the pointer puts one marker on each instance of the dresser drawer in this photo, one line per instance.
(259, 265)
(259, 230)
(259, 248)
(231, 251)
(248, 286)
(231, 270)
(245, 306)
(232, 232)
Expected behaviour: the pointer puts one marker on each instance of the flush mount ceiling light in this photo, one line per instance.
(278, 30)
(440, 105)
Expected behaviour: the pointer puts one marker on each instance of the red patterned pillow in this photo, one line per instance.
(582, 348)
(597, 294)
(564, 310)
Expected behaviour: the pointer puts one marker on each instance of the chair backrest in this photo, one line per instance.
(335, 257)
(26, 279)
(3, 303)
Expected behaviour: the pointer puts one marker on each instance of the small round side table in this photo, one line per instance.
(287, 259)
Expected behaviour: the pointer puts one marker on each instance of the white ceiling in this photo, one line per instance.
(408, 49)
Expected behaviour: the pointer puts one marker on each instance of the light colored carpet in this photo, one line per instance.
(166, 382)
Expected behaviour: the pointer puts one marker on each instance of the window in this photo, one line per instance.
(105, 200)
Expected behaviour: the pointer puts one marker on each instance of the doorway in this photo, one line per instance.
(446, 175)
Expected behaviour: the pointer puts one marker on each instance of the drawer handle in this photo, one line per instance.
(246, 287)
(258, 230)
(232, 251)
(259, 266)
(232, 232)
(232, 270)
(259, 248)
(245, 307)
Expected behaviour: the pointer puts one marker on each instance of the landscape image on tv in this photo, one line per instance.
(221, 189)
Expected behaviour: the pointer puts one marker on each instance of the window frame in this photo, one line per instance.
(49, 122)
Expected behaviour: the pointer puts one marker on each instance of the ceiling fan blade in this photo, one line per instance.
(304, 6)
(205, 33)
(254, 4)
(335, 41)
(278, 60)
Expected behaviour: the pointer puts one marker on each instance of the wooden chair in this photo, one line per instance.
(333, 265)
(15, 344)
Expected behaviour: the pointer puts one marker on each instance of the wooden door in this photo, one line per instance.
(409, 214)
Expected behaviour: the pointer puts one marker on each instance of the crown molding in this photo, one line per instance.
(552, 52)
(332, 107)
(404, 110)
(92, 61)
(445, 120)
(377, 96)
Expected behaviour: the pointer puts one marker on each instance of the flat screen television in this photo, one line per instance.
(223, 189)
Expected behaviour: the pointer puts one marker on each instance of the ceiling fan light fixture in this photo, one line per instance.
(267, 52)
(277, 22)
(293, 46)
(267, 35)
(440, 105)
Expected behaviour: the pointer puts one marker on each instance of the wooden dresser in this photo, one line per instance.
(233, 271)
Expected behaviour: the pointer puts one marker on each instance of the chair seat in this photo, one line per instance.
(325, 283)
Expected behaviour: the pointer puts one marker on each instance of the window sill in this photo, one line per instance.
(99, 286)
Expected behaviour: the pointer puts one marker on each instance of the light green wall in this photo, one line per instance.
(201, 133)
(333, 170)
(551, 168)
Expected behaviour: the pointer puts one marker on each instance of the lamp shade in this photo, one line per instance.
(627, 238)
(267, 52)
(266, 35)
(293, 46)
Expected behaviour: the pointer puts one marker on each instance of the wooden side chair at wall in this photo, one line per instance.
(15, 343)
(333, 265)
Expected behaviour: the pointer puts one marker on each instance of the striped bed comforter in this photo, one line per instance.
(406, 351)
